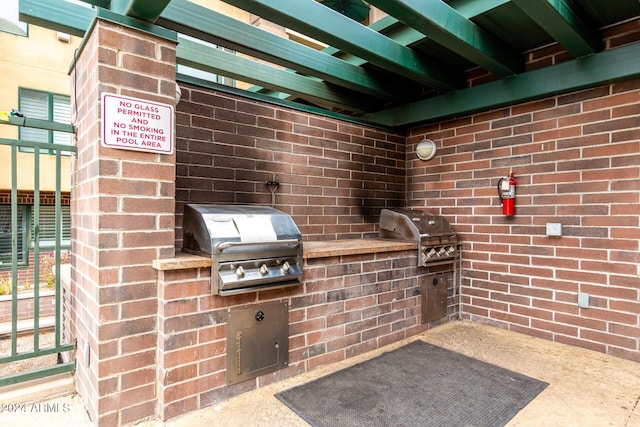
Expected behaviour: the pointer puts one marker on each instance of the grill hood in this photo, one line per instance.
(209, 229)
(436, 240)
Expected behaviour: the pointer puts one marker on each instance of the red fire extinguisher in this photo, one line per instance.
(507, 194)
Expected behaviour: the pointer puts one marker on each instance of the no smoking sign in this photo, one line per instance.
(137, 124)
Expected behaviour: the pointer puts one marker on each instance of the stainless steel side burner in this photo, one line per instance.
(252, 248)
(437, 241)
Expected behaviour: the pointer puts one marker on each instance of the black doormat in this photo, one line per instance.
(419, 384)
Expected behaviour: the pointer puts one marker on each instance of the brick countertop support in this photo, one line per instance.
(123, 219)
(356, 295)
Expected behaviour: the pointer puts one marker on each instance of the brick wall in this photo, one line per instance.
(25, 310)
(348, 305)
(334, 176)
(576, 158)
(26, 197)
(123, 220)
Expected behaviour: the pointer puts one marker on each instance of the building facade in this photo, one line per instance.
(35, 69)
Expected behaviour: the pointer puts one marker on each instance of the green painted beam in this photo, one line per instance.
(408, 36)
(105, 4)
(598, 69)
(444, 25)
(146, 10)
(79, 26)
(40, 124)
(473, 8)
(138, 24)
(206, 24)
(59, 12)
(57, 15)
(191, 54)
(74, 19)
(321, 23)
(386, 24)
(565, 22)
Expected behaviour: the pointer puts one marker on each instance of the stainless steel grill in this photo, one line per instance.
(437, 241)
(252, 248)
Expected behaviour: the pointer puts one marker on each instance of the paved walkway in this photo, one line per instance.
(585, 388)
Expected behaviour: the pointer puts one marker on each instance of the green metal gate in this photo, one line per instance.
(38, 348)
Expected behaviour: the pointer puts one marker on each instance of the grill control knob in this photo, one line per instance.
(441, 251)
(239, 272)
(450, 250)
(431, 253)
(285, 267)
(264, 269)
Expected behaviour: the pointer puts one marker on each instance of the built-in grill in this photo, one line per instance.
(252, 248)
(437, 240)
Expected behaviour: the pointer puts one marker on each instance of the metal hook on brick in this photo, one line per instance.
(273, 187)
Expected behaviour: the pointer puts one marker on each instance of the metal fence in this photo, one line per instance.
(36, 346)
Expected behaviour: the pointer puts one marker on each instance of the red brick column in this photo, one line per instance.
(122, 220)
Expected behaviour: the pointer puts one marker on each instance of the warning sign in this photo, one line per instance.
(136, 124)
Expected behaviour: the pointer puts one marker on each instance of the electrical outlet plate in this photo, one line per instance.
(554, 229)
(583, 300)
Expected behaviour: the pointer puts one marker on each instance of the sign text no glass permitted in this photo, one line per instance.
(136, 124)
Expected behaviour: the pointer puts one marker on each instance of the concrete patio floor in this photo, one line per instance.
(586, 388)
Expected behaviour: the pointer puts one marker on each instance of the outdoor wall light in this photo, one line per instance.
(178, 93)
(426, 149)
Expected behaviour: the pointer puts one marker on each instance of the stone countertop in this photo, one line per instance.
(323, 249)
(182, 261)
(315, 249)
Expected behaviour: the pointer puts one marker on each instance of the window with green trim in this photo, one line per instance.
(45, 106)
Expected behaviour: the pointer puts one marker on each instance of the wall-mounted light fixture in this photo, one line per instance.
(178, 93)
(426, 149)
